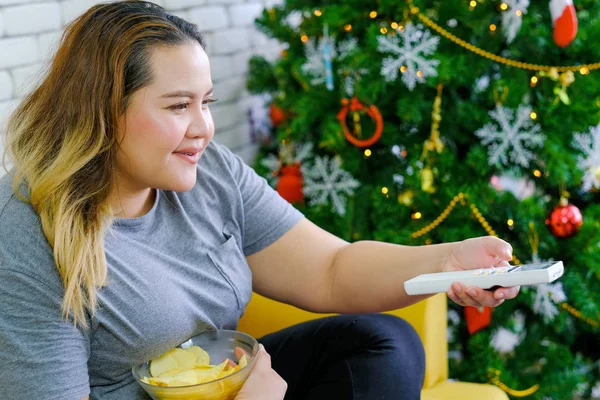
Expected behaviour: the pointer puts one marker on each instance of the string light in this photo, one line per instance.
(368, 153)
(403, 69)
(584, 71)
(394, 25)
(473, 4)
(510, 222)
(384, 190)
(519, 13)
(347, 27)
(416, 215)
(304, 38)
(537, 173)
(492, 27)
(318, 13)
(383, 30)
(420, 74)
(503, 6)
(533, 115)
(534, 81)
(373, 14)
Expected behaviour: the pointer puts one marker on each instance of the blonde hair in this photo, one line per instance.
(63, 137)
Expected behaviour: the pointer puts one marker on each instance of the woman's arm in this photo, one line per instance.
(315, 270)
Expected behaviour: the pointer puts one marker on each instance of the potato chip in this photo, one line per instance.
(202, 357)
(163, 364)
(243, 361)
(189, 366)
(185, 359)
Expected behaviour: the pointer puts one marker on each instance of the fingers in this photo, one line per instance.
(263, 359)
(263, 382)
(477, 297)
(507, 293)
(498, 247)
(271, 379)
(238, 352)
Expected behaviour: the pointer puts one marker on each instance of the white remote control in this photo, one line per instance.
(486, 278)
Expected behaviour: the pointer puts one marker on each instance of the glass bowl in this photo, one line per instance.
(220, 345)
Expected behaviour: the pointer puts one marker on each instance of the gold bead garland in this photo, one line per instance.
(462, 199)
(441, 218)
(495, 379)
(499, 59)
(577, 314)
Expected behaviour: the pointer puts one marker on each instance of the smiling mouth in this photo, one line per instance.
(192, 158)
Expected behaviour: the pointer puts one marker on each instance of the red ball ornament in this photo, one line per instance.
(565, 220)
(290, 185)
(277, 114)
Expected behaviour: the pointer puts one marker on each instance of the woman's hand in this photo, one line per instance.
(263, 383)
(482, 252)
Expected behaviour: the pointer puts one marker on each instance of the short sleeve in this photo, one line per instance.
(267, 216)
(42, 355)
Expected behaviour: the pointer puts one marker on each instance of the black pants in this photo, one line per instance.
(349, 357)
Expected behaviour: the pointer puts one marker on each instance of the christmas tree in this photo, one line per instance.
(427, 121)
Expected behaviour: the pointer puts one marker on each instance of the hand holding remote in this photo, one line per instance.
(474, 254)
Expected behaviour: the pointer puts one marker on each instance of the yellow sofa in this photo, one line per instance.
(427, 317)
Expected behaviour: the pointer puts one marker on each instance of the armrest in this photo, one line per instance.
(263, 316)
(428, 317)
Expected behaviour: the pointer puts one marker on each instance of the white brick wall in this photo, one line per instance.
(30, 30)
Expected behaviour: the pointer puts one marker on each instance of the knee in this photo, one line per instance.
(396, 336)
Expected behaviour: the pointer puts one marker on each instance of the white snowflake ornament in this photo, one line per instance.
(546, 298)
(512, 18)
(504, 340)
(589, 162)
(481, 84)
(596, 390)
(409, 47)
(315, 62)
(347, 47)
(272, 163)
(511, 139)
(325, 180)
(294, 20)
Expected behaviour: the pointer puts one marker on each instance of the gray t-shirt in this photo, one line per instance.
(173, 273)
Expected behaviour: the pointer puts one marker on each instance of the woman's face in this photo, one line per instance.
(167, 124)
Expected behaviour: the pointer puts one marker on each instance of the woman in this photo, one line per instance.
(124, 230)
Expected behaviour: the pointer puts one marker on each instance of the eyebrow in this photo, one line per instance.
(184, 93)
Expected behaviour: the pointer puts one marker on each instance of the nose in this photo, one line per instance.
(200, 125)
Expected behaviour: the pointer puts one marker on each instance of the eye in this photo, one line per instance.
(179, 107)
(208, 101)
